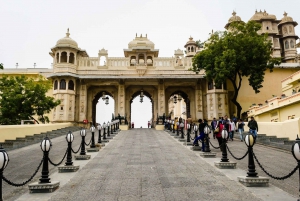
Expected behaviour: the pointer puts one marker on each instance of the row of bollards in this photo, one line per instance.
(251, 179)
(45, 184)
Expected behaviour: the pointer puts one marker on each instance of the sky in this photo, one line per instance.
(29, 29)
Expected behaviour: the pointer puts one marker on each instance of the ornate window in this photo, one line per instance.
(62, 84)
(292, 45)
(71, 85)
(55, 84)
(286, 44)
(192, 49)
(63, 57)
(71, 58)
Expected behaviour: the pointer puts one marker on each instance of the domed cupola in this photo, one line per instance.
(67, 41)
(190, 47)
(233, 18)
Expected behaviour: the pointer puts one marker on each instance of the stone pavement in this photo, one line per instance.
(145, 164)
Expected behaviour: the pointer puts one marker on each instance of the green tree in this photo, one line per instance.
(22, 98)
(1, 66)
(240, 52)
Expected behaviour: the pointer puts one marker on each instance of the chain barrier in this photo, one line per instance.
(213, 145)
(88, 143)
(236, 157)
(25, 182)
(60, 161)
(75, 152)
(277, 178)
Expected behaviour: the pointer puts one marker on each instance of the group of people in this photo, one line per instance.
(231, 125)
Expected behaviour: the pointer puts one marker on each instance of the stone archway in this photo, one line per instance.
(95, 101)
(185, 98)
(137, 93)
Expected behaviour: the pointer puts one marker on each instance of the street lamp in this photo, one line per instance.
(175, 99)
(296, 154)
(188, 135)
(196, 134)
(206, 132)
(103, 96)
(82, 134)
(224, 134)
(45, 146)
(250, 141)
(3, 163)
(99, 133)
(104, 130)
(108, 131)
(69, 138)
(93, 137)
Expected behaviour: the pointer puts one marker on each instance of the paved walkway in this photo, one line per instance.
(144, 164)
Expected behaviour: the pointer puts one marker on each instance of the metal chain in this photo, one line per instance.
(277, 178)
(213, 145)
(60, 161)
(88, 143)
(75, 152)
(25, 182)
(236, 157)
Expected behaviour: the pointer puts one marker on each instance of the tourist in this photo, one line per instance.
(218, 134)
(253, 127)
(202, 134)
(226, 124)
(231, 129)
(213, 125)
(149, 124)
(240, 126)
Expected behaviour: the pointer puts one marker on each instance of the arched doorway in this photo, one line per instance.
(179, 105)
(103, 108)
(141, 109)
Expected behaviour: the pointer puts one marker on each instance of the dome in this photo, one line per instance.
(141, 42)
(262, 16)
(234, 18)
(190, 42)
(287, 18)
(67, 41)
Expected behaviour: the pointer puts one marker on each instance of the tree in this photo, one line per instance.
(1, 66)
(240, 52)
(22, 98)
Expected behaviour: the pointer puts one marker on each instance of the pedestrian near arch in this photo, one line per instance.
(253, 127)
(240, 126)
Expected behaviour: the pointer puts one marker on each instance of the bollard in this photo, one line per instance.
(223, 145)
(99, 133)
(196, 134)
(181, 128)
(45, 146)
(296, 154)
(108, 132)
(93, 137)
(83, 134)
(206, 131)
(177, 128)
(3, 163)
(69, 138)
(250, 141)
(188, 135)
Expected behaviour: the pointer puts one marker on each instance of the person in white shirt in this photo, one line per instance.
(231, 129)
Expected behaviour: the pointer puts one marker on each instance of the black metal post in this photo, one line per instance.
(45, 171)
(99, 136)
(224, 151)
(1, 176)
(173, 128)
(206, 141)
(188, 135)
(104, 134)
(82, 151)
(69, 154)
(93, 141)
(111, 129)
(182, 134)
(299, 178)
(108, 132)
(251, 166)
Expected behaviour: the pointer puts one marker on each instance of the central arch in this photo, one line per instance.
(185, 99)
(136, 95)
(95, 101)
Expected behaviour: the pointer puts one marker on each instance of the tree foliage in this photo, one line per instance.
(240, 52)
(1, 66)
(22, 98)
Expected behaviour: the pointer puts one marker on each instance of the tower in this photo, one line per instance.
(190, 48)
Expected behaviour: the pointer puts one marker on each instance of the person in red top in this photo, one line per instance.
(219, 134)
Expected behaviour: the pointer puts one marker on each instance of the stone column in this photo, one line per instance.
(198, 102)
(68, 55)
(161, 99)
(59, 57)
(121, 100)
(83, 103)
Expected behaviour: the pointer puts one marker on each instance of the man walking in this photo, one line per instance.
(253, 127)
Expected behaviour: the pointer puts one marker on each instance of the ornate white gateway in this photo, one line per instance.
(79, 81)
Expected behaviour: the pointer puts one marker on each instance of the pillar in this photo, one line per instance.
(83, 103)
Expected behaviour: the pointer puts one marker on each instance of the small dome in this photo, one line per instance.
(286, 18)
(234, 18)
(190, 42)
(141, 42)
(67, 41)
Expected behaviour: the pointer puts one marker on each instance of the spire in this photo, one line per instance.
(284, 14)
(234, 13)
(68, 34)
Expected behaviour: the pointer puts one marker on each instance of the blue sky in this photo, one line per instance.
(30, 28)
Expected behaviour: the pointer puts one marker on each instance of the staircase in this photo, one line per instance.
(36, 138)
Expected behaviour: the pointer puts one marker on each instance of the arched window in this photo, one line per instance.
(71, 85)
(286, 44)
(292, 45)
(57, 57)
(189, 49)
(63, 57)
(192, 49)
(55, 84)
(62, 84)
(71, 58)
